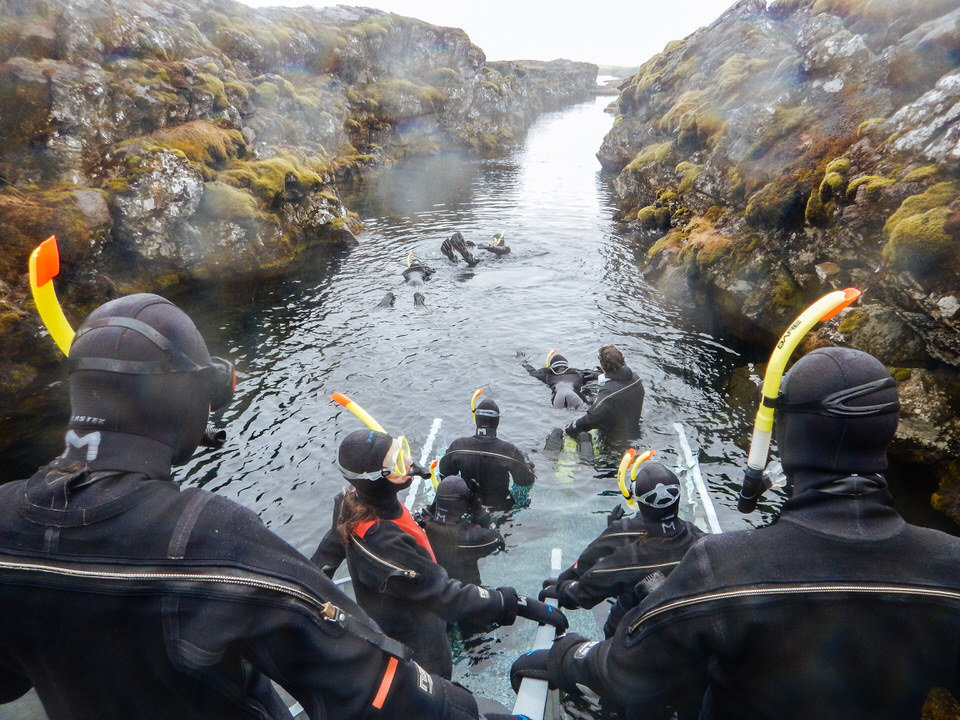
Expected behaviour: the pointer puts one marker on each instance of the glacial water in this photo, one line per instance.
(571, 282)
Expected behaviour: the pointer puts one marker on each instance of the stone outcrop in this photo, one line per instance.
(790, 149)
(171, 141)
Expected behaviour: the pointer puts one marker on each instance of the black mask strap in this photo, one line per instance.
(835, 404)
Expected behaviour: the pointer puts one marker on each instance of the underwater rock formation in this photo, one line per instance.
(171, 141)
(791, 149)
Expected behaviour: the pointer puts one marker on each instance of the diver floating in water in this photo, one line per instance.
(567, 384)
(456, 244)
(415, 274)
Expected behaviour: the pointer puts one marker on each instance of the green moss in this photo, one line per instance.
(237, 89)
(444, 76)
(939, 195)
(667, 196)
(873, 184)
(202, 142)
(783, 124)
(714, 213)
(901, 374)
(689, 173)
(673, 240)
(213, 85)
(737, 70)
(268, 179)
(832, 186)
(818, 212)
(221, 202)
(651, 153)
(786, 293)
(652, 217)
(924, 172)
(867, 124)
(921, 244)
(839, 165)
(853, 321)
(780, 204)
(391, 96)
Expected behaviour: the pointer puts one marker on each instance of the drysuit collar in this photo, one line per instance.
(621, 373)
(104, 451)
(853, 507)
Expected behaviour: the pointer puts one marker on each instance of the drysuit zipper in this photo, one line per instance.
(398, 570)
(791, 590)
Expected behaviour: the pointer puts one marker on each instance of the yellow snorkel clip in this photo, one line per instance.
(823, 309)
(44, 265)
(629, 464)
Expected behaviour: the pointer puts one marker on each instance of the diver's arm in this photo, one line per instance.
(521, 470)
(330, 552)
(478, 542)
(415, 578)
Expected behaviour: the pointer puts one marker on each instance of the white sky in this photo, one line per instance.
(612, 32)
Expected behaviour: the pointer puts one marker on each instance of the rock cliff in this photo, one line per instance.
(170, 141)
(802, 146)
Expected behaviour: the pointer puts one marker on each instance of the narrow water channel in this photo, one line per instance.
(570, 282)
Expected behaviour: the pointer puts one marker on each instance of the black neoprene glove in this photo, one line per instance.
(514, 605)
(615, 514)
(571, 431)
(561, 593)
(548, 664)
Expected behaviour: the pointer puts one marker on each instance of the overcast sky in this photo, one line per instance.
(614, 32)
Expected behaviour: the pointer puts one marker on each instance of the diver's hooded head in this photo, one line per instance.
(453, 500)
(142, 384)
(837, 412)
(657, 493)
(558, 364)
(365, 458)
(487, 417)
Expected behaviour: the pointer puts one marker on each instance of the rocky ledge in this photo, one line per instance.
(166, 142)
(802, 146)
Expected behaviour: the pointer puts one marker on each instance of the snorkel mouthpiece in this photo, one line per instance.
(828, 306)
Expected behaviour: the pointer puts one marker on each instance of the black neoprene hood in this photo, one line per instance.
(836, 414)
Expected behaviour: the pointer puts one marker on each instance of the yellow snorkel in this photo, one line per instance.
(362, 414)
(823, 309)
(413, 468)
(473, 403)
(629, 464)
(44, 266)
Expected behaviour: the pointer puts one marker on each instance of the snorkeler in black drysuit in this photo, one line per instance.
(566, 383)
(634, 554)
(456, 244)
(415, 274)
